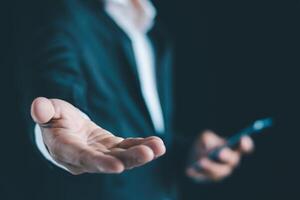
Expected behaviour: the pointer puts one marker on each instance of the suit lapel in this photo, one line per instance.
(129, 72)
(133, 79)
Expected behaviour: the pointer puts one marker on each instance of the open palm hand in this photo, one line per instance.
(83, 147)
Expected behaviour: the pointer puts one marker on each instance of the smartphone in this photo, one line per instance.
(255, 128)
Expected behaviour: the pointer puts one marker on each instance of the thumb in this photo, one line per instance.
(42, 110)
(211, 140)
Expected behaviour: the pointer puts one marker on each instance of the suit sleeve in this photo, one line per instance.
(53, 70)
(56, 67)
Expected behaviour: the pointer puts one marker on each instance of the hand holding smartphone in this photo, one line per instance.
(255, 128)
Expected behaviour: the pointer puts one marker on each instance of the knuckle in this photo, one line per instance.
(227, 152)
(216, 177)
(226, 172)
(220, 176)
(207, 135)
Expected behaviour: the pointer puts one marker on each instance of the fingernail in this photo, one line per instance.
(223, 154)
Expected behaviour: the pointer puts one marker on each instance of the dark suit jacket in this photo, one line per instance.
(77, 53)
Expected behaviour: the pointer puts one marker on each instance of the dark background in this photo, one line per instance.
(235, 62)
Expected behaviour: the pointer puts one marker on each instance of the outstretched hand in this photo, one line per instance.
(83, 147)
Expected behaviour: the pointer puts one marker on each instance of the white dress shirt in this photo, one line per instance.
(135, 18)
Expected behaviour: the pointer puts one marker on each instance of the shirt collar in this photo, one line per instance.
(123, 2)
(147, 17)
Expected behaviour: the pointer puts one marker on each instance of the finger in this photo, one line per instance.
(78, 154)
(42, 110)
(246, 145)
(194, 174)
(108, 142)
(229, 157)
(215, 171)
(130, 142)
(155, 143)
(97, 162)
(134, 156)
(45, 110)
(157, 146)
(210, 140)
